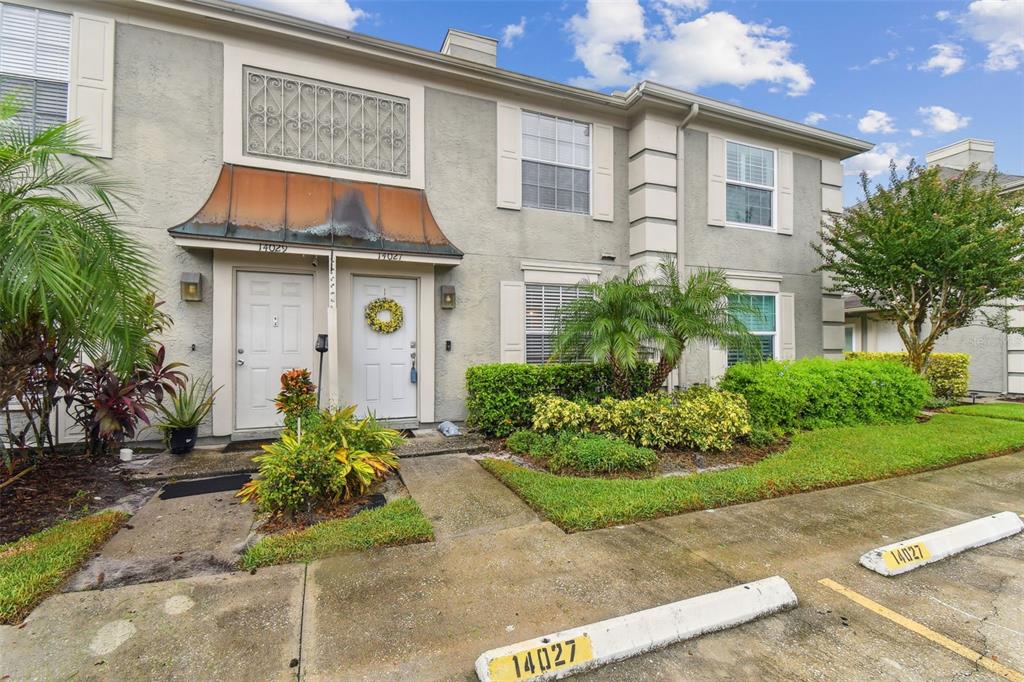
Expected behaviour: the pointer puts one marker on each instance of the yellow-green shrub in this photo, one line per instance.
(701, 418)
(947, 373)
(552, 413)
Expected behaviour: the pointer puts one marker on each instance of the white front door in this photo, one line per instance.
(382, 363)
(273, 333)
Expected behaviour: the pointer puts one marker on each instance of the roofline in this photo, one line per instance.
(640, 93)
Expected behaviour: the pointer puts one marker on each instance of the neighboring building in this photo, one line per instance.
(997, 359)
(296, 172)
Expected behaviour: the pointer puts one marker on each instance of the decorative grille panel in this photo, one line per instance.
(312, 121)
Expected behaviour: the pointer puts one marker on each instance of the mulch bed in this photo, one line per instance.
(62, 486)
(670, 462)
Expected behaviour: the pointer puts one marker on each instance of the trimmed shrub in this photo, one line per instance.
(594, 454)
(947, 372)
(498, 400)
(816, 393)
(701, 418)
(539, 445)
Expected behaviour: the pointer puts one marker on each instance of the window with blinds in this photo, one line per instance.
(543, 312)
(35, 64)
(763, 324)
(750, 183)
(556, 163)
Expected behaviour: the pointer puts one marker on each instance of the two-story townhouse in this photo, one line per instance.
(288, 174)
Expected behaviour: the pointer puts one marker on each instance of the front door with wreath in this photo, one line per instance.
(384, 346)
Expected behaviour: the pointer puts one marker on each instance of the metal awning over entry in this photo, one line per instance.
(281, 209)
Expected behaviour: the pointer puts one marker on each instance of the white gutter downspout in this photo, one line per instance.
(676, 379)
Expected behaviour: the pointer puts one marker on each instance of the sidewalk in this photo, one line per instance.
(498, 575)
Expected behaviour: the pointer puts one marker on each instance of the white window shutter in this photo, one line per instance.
(785, 203)
(92, 81)
(787, 327)
(716, 180)
(718, 362)
(603, 200)
(510, 165)
(512, 325)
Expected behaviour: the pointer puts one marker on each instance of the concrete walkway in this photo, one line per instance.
(424, 612)
(460, 498)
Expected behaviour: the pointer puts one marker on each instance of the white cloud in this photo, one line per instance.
(943, 15)
(814, 118)
(671, 10)
(889, 56)
(876, 121)
(513, 32)
(876, 162)
(598, 38)
(999, 25)
(942, 120)
(916, 132)
(948, 58)
(337, 13)
(714, 48)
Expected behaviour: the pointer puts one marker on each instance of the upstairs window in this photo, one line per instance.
(35, 64)
(556, 163)
(544, 303)
(750, 185)
(763, 325)
(313, 121)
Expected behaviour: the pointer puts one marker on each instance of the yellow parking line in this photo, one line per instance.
(926, 632)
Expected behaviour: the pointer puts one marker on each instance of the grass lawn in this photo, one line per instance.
(36, 565)
(814, 460)
(397, 523)
(1014, 411)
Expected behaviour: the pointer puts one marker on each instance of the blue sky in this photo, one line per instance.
(909, 76)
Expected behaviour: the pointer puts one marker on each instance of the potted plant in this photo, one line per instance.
(189, 406)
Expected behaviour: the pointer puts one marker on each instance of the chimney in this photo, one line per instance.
(470, 46)
(962, 154)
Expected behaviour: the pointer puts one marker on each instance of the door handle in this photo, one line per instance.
(240, 362)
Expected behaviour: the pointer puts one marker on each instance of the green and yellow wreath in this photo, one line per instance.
(377, 306)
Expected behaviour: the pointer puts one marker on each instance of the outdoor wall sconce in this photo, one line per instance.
(447, 297)
(191, 286)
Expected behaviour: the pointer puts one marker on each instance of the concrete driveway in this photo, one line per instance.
(501, 575)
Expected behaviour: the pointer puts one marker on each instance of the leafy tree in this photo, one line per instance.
(929, 254)
(617, 322)
(699, 310)
(72, 280)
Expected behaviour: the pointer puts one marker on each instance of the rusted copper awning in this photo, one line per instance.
(254, 204)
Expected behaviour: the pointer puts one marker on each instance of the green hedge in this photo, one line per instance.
(947, 372)
(817, 393)
(499, 395)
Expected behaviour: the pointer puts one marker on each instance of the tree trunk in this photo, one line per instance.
(620, 380)
(661, 373)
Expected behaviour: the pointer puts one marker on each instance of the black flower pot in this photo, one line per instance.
(182, 440)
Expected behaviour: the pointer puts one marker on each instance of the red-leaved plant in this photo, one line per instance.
(108, 408)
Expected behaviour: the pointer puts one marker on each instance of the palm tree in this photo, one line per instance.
(707, 308)
(616, 323)
(66, 266)
(72, 281)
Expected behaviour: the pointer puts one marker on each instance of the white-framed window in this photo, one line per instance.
(556, 163)
(750, 186)
(850, 338)
(544, 304)
(764, 325)
(35, 64)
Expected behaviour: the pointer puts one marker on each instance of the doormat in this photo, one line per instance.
(202, 486)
